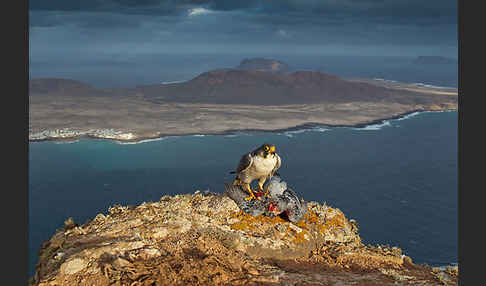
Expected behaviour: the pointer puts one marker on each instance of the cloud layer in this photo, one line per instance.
(65, 33)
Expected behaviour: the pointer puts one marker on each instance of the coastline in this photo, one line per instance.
(133, 138)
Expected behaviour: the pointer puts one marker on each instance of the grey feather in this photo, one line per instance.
(278, 165)
(275, 186)
(252, 207)
(285, 199)
(292, 205)
(245, 163)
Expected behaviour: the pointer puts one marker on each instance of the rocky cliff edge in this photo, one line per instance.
(205, 239)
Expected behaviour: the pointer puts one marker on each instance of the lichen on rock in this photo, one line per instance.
(205, 239)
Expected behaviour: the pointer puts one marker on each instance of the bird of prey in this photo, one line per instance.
(259, 164)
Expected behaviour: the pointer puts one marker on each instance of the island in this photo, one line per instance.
(434, 60)
(223, 101)
(203, 238)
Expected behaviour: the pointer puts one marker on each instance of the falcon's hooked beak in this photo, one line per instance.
(269, 150)
(272, 150)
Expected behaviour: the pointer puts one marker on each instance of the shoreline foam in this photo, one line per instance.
(374, 125)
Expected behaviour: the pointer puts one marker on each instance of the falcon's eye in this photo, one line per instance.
(267, 148)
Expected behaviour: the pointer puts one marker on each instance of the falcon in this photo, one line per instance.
(259, 164)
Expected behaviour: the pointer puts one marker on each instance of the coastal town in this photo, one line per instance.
(67, 133)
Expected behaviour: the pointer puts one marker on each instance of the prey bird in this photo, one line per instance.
(259, 164)
(281, 200)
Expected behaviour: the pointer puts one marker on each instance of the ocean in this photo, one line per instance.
(397, 179)
(161, 68)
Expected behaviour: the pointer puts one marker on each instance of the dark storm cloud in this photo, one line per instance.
(258, 21)
(403, 11)
(92, 35)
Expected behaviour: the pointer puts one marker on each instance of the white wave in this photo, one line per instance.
(420, 112)
(313, 129)
(386, 80)
(321, 129)
(65, 142)
(428, 85)
(199, 135)
(141, 141)
(388, 122)
(199, 11)
(286, 134)
(373, 126)
(409, 115)
(241, 133)
(291, 133)
(175, 81)
(452, 110)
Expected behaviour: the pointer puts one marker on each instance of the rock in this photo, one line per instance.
(152, 252)
(136, 245)
(160, 233)
(206, 239)
(69, 224)
(59, 256)
(120, 262)
(73, 266)
(295, 228)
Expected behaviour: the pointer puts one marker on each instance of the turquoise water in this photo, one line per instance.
(397, 179)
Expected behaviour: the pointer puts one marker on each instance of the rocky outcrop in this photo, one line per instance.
(205, 239)
(262, 64)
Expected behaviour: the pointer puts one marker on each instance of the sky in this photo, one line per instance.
(102, 37)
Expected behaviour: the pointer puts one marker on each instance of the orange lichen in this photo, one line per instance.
(302, 224)
(300, 236)
(312, 220)
(246, 221)
(239, 226)
(312, 217)
(336, 221)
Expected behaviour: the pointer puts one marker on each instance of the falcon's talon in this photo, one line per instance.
(251, 197)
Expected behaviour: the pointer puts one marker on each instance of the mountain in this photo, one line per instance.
(262, 64)
(266, 88)
(255, 81)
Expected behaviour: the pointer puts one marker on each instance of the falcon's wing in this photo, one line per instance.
(245, 162)
(277, 165)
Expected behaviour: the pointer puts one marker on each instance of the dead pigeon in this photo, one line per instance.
(281, 200)
(284, 200)
(238, 194)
